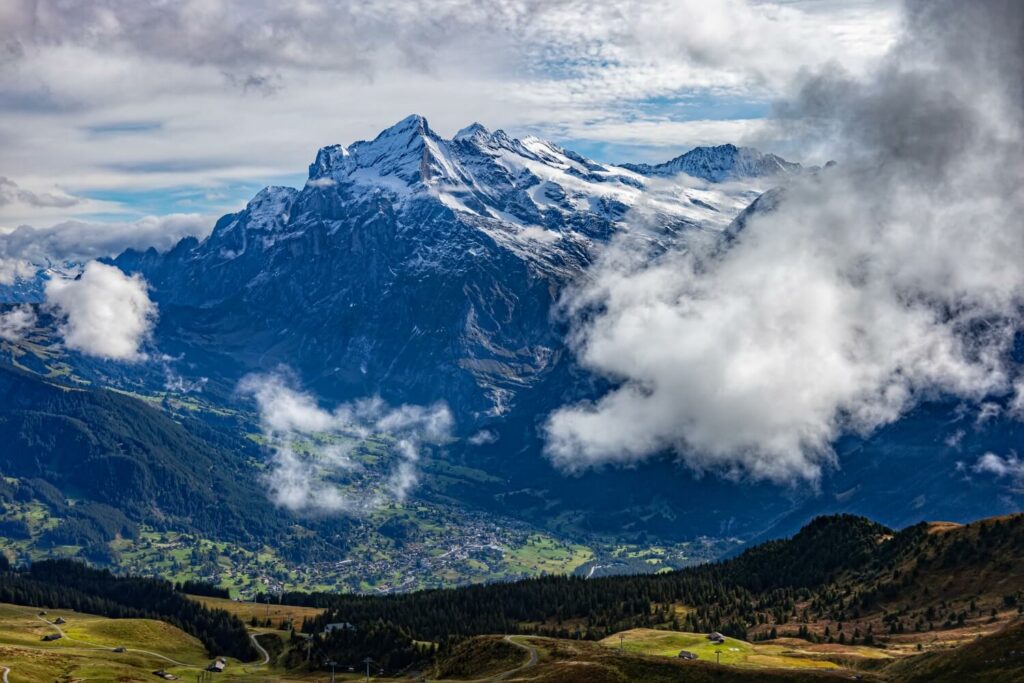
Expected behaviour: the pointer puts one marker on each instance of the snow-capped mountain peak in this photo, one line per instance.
(408, 151)
(411, 250)
(721, 163)
(474, 131)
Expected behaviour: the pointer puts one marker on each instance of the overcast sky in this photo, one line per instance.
(114, 110)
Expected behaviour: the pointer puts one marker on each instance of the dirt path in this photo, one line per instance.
(531, 662)
(4, 677)
(256, 644)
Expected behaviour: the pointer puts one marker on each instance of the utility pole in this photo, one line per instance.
(367, 662)
(718, 656)
(622, 642)
(331, 663)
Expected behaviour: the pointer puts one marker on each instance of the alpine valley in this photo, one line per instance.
(422, 271)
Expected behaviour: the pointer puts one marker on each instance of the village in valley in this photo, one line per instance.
(472, 548)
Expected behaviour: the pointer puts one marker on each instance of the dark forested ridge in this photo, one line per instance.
(71, 585)
(837, 569)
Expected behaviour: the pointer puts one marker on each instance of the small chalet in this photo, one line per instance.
(217, 666)
(50, 637)
(716, 637)
(339, 626)
(686, 654)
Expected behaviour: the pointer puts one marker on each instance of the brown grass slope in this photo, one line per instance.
(927, 587)
(998, 658)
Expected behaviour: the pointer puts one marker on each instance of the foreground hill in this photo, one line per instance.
(843, 597)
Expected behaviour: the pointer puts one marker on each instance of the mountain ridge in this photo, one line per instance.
(721, 163)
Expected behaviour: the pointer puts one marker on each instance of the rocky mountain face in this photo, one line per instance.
(413, 266)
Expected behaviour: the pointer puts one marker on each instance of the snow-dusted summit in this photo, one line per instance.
(721, 163)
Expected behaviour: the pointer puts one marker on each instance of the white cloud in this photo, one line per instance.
(483, 438)
(11, 192)
(16, 322)
(1017, 401)
(1010, 466)
(538, 234)
(103, 313)
(14, 269)
(890, 278)
(300, 479)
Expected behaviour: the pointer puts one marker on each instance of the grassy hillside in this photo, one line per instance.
(569, 661)
(732, 652)
(86, 650)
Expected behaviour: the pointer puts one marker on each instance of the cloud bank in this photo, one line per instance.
(24, 250)
(300, 479)
(16, 322)
(890, 278)
(103, 313)
(11, 192)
